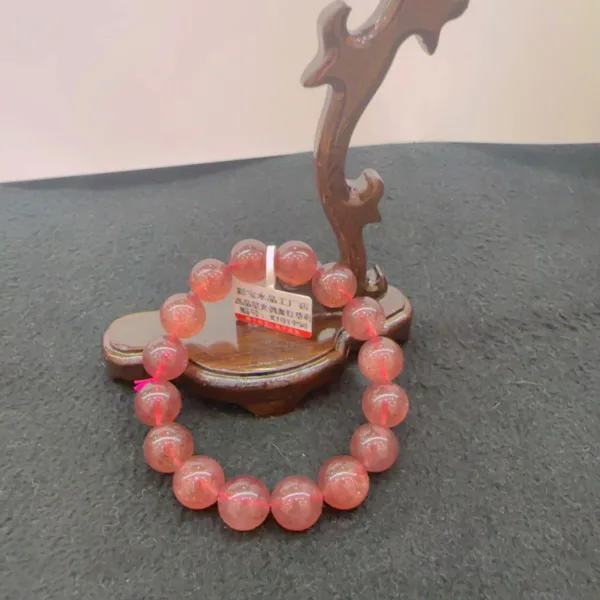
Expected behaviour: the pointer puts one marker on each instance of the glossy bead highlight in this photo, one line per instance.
(165, 357)
(375, 447)
(248, 261)
(182, 315)
(295, 263)
(344, 482)
(197, 482)
(296, 503)
(211, 280)
(380, 359)
(167, 447)
(385, 404)
(363, 318)
(334, 285)
(244, 502)
(157, 403)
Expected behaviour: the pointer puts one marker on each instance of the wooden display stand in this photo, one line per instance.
(266, 371)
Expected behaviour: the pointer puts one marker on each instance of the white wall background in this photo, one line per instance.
(90, 86)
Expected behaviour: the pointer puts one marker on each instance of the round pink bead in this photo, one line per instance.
(334, 285)
(380, 360)
(296, 503)
(375, 447)
(165, 358)
(295, 263)
(244, 502)
(157, 403)
(385, 404)
(197, 482)
(363, 318)
(182, 315)
(211, 280)
(167, 447)
(344, 482)
(248, 261)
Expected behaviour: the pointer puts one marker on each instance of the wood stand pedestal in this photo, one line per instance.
(263, 370)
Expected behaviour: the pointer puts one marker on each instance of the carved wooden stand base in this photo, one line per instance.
(265, 371)
(270, 372)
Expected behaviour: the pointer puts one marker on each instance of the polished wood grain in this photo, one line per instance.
(270, 372)
(354, 66)
(266, 371)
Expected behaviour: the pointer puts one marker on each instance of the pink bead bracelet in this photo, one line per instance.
(244, 502)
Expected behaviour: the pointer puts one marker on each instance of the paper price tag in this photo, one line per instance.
(275, 309)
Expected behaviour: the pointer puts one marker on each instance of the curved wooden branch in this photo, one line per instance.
(354, 66)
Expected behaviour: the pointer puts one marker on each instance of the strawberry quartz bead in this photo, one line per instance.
(157, 403)
(211, 280)
(167, 447)
(334, 285)
(295, 263)
(197, 482)
(344, 482)
(363, 318)
(296, 503)
(375, 447)
(244, 503)
(380, 360)
(385, 404)
(182, 315)
(248, 261)
(165, 357)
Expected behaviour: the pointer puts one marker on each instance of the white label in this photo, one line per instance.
(275, 309)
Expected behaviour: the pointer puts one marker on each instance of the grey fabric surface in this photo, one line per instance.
(496, 492)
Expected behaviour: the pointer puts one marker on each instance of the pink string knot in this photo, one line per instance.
(138, 384)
